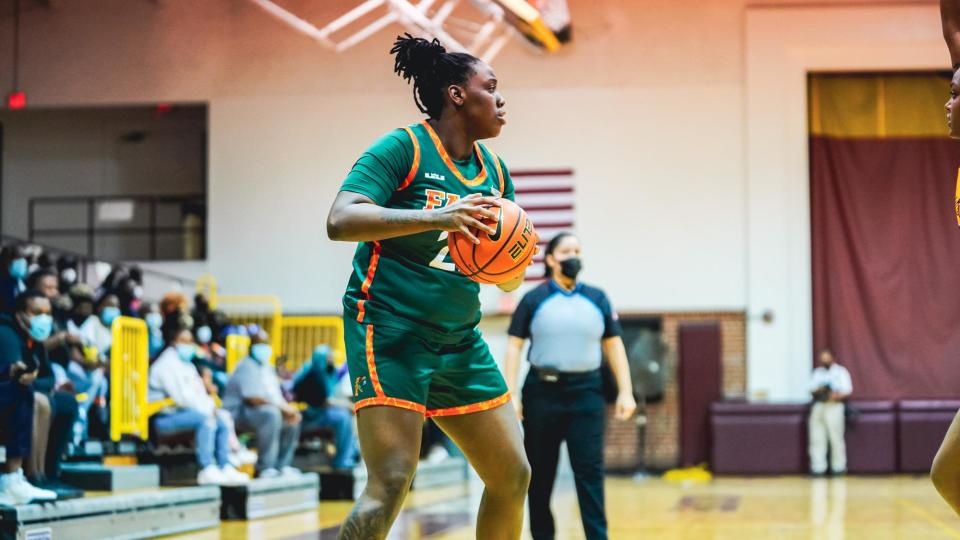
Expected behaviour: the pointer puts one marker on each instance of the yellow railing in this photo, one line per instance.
(207, 286)
(130, 411)
(238, 347)
(262, 310)
(302, 334)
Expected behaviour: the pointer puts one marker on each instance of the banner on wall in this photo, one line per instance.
(548, 197)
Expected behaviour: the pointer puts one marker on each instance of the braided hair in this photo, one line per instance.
(432, 69)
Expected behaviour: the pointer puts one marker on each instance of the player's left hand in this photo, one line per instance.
(625, 406)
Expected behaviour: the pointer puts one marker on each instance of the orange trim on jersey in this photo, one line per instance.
(479, 179)
(390, 402)
(496, 163)
(365, 289)
(472, 408)
(416, 161)
(372, 364)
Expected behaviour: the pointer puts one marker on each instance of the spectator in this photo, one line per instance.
(88, 375)
(21, 346)
(13, 270)
(314, 385)
(254, 398)
(56, 410)
(173, 302)
(151, 315)
(830, 386)
(47, 282)
(67, 270)
(173, 376)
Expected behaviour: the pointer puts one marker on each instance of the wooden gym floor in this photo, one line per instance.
(853, 508)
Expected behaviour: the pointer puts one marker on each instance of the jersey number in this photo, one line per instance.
(439, 262)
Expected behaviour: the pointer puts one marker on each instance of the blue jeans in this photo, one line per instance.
(340, 420)
(213, 437)
(94, 383)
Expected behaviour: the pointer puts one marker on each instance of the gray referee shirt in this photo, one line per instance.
(565, 328)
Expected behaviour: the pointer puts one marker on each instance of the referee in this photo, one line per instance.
(570, 326)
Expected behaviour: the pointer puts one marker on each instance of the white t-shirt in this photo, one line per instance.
(837, 378)
(171, 377)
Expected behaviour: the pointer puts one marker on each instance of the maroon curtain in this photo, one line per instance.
(886, 263)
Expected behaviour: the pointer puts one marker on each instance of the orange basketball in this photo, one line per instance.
(499, 257)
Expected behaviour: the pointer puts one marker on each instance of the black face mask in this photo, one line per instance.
(571, 267)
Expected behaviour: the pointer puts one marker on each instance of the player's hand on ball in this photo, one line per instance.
(469, 214)
(625, 406)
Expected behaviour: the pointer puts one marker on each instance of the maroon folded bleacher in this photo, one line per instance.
(921, 427)
(758, 438)
(872, 438)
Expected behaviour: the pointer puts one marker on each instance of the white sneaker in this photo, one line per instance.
(211, 475)
(437, 454)
(232, 476)
(242, 457)
(290, 472)
(14, 486)
(269, 473)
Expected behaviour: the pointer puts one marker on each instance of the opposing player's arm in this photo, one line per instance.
(950, 19)
(357, 218)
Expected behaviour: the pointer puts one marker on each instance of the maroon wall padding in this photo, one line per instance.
(872, 438)
(758, 438)
(921, 427)
(886, 254)
(701, 383)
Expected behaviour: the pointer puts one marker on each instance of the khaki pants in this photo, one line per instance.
(827, 424)
(34, 464)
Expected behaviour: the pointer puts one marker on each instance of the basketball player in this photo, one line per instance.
(410, 318)
(945, 472)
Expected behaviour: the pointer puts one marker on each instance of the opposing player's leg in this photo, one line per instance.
(945, 472)
(492, 443)
(390, 445)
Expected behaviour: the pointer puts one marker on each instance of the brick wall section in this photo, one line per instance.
(662, 447)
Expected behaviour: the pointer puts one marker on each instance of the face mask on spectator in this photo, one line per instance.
(154, 320)
(19, 268)
(138, 292)
(186, 351)
(261, 352)
(109, 314)
(69, 275)
(204, 334)
(41, 326)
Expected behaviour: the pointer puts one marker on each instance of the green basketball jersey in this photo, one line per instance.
(410, 282)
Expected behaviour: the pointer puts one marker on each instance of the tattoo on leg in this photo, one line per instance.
(368, 520)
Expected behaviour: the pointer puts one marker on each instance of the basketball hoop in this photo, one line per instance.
(479, 27)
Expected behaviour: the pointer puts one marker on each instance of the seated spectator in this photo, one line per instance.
(14, 269)
(21, 347)
(67, 270)
(151, 315)
(315, 385)
(173, 376)
(88, 372)
(56, 410)
(211, 358)
(254, 398)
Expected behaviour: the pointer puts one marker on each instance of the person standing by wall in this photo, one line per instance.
(830, 386)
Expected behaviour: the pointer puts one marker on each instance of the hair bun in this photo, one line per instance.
(415, 57)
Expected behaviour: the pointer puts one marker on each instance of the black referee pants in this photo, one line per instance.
(572, 410)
